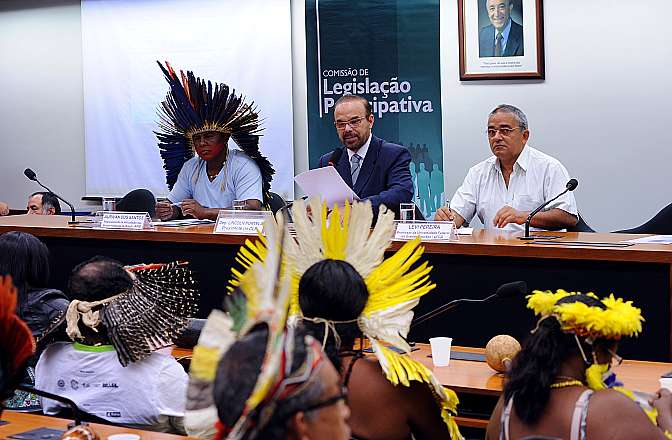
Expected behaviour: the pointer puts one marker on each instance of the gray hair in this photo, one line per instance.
(515, 111)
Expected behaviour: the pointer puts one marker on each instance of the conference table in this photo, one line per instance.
(16, 423)
(472, 267)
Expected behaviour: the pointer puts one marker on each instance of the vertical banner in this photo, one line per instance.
(388, 52)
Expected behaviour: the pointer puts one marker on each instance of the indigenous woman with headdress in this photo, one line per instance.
(199, 118)
(560, 384)
(342, 288)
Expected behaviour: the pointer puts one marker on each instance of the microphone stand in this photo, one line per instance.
(527, 235)
(72, 220)
(448, 306)
(76, 412)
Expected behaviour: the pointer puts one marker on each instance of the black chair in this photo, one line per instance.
(661, 224)
(138, 200)
(580, 226)
(276, 202)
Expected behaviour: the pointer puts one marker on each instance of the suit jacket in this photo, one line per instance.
(385, 177)
(514, 45)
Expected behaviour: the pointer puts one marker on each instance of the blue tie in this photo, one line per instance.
(355, 161)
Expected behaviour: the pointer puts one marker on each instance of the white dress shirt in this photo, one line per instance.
(536, 177)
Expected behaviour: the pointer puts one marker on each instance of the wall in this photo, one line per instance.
(601, 109)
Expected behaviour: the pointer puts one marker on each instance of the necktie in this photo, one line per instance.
(355, 162)
(498, 44)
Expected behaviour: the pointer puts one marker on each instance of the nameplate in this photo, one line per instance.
(241, 222)
(427, 231)
(131, 221)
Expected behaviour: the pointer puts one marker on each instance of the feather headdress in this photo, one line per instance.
(394, 286)
(262, 296)
(16, 339)
(146, 317)
(194, 105)
(618, 317)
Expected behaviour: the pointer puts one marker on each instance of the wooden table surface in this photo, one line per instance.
(481, 242)
(478, 378)
(21, 422)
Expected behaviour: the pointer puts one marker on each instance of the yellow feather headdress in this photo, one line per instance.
(618, 318)
(394, 284)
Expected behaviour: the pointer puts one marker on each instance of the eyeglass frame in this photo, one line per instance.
(504, 131)
(343, 395)
(354, 123)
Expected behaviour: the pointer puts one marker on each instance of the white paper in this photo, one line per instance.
(427, 231)
(183, 222)
(464, 231)
(326, 184)
(652, 239)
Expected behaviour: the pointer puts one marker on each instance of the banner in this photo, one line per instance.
(388, 52)
(219, 40)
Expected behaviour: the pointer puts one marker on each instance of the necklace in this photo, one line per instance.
(567, 383)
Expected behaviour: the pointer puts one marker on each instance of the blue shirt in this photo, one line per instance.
(239, 179)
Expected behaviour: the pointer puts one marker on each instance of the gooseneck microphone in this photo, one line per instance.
(508, 290)
(571, 186)
(30, 174)
(335, 157)
(76, 412)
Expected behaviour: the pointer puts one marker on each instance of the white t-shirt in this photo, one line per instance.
(93, 378)
(536, 177)
(239, 179)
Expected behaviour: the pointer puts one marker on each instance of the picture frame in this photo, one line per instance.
(501, 39)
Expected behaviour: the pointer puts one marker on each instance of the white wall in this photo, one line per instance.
(41, 104)
(601, 109)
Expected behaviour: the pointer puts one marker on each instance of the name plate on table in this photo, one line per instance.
(132, 221)
(428, 231)
(241, 222)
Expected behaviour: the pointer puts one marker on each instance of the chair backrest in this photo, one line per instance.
(276, 202)
(581, 226)
(138, 200)
(661, 223)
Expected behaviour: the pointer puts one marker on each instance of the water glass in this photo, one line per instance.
(239, 205)
(407, 212)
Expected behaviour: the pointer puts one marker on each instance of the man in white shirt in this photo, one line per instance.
(503, 189)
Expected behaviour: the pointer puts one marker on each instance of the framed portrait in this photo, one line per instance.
(501, 39)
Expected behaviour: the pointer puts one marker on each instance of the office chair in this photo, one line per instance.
(661, 223)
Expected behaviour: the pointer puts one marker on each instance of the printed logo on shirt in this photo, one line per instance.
(113, 414)
(60, 384)
(110, 385)
(74, 384)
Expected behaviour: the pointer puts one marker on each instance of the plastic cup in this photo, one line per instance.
(239, 205)
(441, 350)
(666, 382)
(109, 204)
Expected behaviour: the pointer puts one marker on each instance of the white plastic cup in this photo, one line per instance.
(124, 436)
(441, 350)
(666, 382)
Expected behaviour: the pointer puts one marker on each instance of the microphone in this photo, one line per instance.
(508, 290)
(76, 412)
(335, 156)
(30, 174)
(571, 186)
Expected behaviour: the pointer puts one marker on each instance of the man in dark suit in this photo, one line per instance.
(375, 169)
(503, 37)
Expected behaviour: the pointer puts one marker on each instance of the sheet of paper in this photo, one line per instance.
(183, 222)
(464, 231)
(326, 184)
(652, 239)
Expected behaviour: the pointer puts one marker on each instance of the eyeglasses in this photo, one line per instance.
(343, 395)
(354, 123)
(616, 359)
(492, 132)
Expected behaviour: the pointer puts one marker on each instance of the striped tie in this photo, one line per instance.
(355, 161)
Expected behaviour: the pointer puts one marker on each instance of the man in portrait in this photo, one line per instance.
(503, 37)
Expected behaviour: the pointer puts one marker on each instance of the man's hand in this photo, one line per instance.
(508, 215)
(4, 208)
(444, 214)
(193, 208)
(166, 211)
(662, 401)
